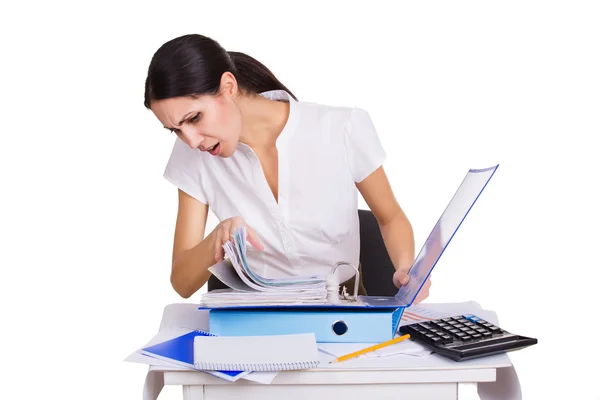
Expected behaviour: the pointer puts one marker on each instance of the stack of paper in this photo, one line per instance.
(248, 287)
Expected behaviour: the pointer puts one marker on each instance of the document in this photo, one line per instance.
(248, 287)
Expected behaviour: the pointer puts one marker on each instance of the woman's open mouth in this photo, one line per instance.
(214, 150)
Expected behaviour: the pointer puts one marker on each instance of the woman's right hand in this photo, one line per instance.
(222, 234)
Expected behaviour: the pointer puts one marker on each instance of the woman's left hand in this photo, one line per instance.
(401, 278)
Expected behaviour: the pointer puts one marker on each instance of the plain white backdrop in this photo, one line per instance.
(87, 220)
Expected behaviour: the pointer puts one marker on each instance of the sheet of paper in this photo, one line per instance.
(406, 347)
(184, 315)
(419, 313)
(264, 377)
(225, 272)
(340, 349)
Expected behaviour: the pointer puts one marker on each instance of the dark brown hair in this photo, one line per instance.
(192, 65)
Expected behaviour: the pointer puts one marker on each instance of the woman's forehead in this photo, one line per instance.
(171, 112)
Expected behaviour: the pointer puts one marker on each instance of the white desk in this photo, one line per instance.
(348, 385)
(431, 377)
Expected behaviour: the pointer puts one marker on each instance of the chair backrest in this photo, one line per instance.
(376, 265)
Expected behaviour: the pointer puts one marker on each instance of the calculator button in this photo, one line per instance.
(447, 339)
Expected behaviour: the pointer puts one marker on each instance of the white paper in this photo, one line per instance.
(406, 347)
(419, 313)
(264, 377)
(248, 287)
(340, 349)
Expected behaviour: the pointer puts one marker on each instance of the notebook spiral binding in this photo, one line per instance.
(256, 367)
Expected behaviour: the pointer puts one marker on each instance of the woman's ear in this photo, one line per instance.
(228, 85)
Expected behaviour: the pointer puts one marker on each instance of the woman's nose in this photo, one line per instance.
(192, 138)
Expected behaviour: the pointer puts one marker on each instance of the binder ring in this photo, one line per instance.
(356, 276)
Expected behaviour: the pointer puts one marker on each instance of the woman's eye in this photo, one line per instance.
(195, 118)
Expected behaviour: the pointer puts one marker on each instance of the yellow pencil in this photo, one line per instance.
(372, 348)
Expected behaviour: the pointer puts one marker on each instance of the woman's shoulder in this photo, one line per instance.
(340, 115)
(331, 112)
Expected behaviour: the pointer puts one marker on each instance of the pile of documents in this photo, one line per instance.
(248, 287)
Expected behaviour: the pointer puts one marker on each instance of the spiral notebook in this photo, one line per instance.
(180, 351)
(256, 353)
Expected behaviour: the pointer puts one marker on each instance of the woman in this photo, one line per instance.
(254, 154)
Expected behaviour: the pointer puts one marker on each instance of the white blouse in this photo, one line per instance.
(322, 152)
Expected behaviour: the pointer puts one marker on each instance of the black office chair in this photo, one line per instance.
(376, 265)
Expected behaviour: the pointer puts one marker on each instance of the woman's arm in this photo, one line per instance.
(192, 253)
(395, 227)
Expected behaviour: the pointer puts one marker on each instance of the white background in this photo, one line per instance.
(87, 219)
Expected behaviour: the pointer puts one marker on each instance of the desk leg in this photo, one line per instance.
(193, 392)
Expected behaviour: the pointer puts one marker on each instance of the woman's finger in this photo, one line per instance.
(218, 248)
(252, 237)
(401, 278)
(222, 238)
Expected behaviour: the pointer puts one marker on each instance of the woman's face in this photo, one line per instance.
(211, 123)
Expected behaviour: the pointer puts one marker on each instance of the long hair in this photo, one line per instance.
(192, 65)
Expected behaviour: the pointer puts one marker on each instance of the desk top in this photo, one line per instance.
(187, 315)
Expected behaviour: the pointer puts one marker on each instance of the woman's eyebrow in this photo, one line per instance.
(182, 120)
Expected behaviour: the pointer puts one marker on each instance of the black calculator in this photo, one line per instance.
(465, 337)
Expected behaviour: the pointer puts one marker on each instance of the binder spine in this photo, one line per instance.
(202, 366)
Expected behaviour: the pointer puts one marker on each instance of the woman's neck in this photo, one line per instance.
(263, 121)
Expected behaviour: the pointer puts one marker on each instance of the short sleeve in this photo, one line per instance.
(184, 170)
(363, 147)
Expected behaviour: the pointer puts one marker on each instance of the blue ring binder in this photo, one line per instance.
(363, 315)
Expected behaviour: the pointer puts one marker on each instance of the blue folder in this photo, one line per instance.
(266, 319)
(180, 351)
(329, 326)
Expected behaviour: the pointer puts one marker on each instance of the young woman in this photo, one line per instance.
(288, 170)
